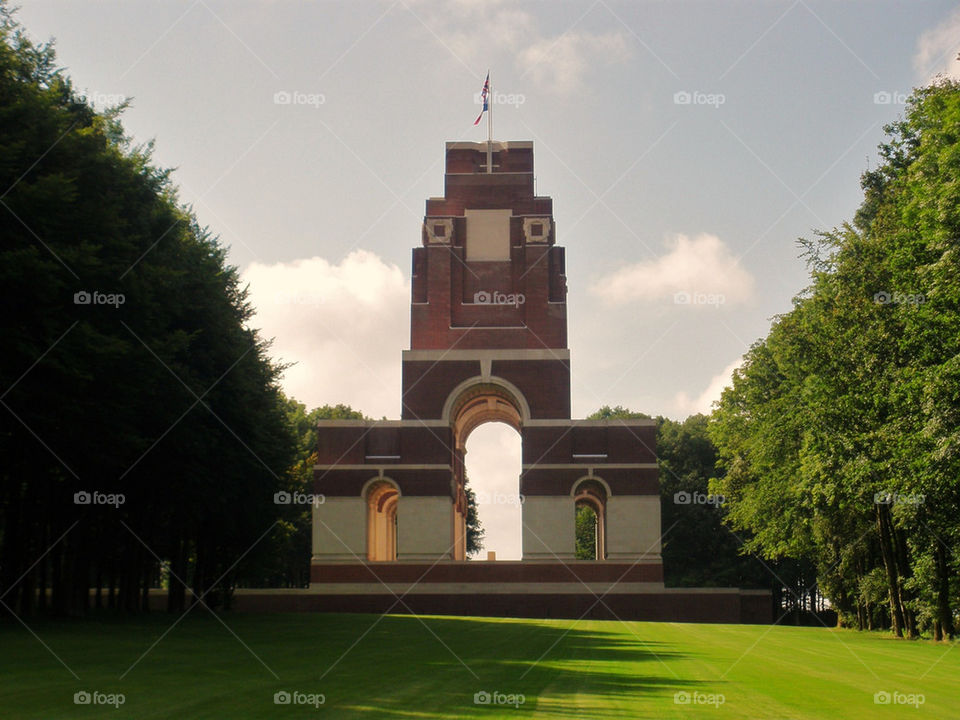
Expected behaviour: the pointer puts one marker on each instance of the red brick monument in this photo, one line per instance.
(488, 342)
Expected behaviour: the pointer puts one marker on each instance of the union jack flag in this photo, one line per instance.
(484, 96)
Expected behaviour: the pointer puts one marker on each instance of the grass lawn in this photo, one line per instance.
(404, 667)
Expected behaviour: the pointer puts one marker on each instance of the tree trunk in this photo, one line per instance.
(904, 572)
(889, 564)
(944, 614)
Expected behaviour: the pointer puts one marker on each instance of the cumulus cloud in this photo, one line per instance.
(691, 269)
(344, 325)
(558, 63)
(937, 49)
(703, 403)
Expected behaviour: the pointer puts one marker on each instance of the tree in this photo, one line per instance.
(586, 533)
(475, 531)
(838, 439)
(697, 549)
(288, 564)
(130, 374)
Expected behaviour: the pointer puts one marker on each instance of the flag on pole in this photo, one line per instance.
(484, 98)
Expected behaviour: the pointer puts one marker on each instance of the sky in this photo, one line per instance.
(687, 145)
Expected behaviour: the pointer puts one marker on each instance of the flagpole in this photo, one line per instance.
(489, 127)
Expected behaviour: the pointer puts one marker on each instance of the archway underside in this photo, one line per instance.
(477, 405)
(482, 403)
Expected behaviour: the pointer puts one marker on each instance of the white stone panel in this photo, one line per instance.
(633, 527)
(340, 529)
(424, 528)
(548, 528)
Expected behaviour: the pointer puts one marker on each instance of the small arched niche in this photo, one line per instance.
(382, 497)
(590, 518)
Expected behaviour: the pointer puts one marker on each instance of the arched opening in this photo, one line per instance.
(494, 466)
(590, 508)
(382, 499)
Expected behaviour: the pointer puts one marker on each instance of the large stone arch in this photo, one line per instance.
(470, 404)
(478, 400)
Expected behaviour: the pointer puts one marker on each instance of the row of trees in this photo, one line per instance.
(840, 437)
(141, 417)
(699, 549)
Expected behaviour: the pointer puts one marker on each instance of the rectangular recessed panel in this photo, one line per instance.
(488, 234)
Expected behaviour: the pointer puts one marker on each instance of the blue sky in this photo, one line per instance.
(655, 199)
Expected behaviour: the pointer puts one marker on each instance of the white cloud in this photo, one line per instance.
(557, 63)
(560, 63)
(937, 49)
(701, 266)
(704, 401)
(344, 325)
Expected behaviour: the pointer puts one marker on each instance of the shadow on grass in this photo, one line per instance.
(365, 665)
(555, 665)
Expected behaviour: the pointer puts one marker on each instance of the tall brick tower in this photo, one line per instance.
(488, 342)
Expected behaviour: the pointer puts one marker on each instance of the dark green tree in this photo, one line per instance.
(128, 369)
(475, 531)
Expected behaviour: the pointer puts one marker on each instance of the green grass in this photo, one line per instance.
(405, 667)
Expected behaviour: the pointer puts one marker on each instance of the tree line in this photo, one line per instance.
(839, 439)
(142, 432)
